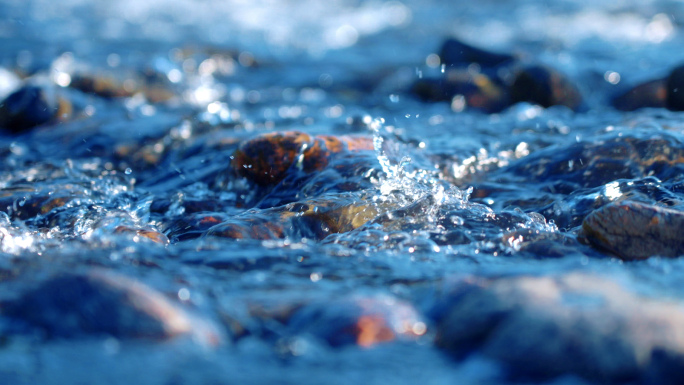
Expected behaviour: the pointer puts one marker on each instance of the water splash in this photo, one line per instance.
(408, 179)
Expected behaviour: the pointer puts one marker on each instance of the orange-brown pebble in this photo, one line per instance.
(148, 233)
(103, 86)
(365, 321)
(266, 159)
(247, 228)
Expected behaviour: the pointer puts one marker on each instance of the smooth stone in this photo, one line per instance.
(101, 302)
(597, 162)
(364, 321)
(652, 94)
(26, 108)
(476, 91)
(634, 230)
(267, 159)
(546, 327)
(546, 87)
(675, 89)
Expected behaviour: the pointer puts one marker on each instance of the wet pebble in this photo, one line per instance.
(364, 321)
(465, 90)
(111, 85)
(266, 160)
(598, 161)
(103, 86)
(192, 225)
(675, 89)
(314, 219)
(634, 230)
(490, 82)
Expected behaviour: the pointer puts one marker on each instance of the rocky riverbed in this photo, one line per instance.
(342, 192)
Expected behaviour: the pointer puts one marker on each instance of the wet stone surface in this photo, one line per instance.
(405, 192)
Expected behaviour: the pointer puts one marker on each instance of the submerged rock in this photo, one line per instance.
(364, 321)
(110, 85)
(31, 106)
(546, 87)
(658, 93)
(601, 160)
(543, 327)
(490, 82)
(103, 86)
(193, 225)
(266, 160)
(634, 230)
(314, 218)
(466, 90)
(471, 79)
(652, 94)
(675, 89)
(100, 302)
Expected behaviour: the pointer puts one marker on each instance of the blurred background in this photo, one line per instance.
(383, 31)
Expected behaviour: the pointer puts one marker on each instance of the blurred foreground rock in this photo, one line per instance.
(100, 302)
(543, 327)
(32, 106)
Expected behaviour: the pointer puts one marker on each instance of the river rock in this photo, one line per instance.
(104, 86)
(314, 218)
(634, 230)
(111, 85)
(31, 106)
(658, 93)
(675, 89)
(601, 160)
(364, 321)
(547, 87)
(652, 94)
(192, 225)
(475, 91)
(100, 302)
(581, 324)
(265, 160)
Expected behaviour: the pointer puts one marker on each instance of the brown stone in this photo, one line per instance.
(651, 94)
(547, 87)
(634, 230)
(364, 321)
(266, 159)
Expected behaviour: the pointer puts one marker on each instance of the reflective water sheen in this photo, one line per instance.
(329, 262)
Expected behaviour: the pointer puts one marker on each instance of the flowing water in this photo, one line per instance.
(146, 188)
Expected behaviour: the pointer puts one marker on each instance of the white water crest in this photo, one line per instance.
(406, 181)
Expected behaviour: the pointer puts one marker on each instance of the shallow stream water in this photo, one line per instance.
(437, 191)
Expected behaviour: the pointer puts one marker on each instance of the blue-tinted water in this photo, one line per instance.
(436, 191)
